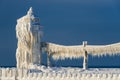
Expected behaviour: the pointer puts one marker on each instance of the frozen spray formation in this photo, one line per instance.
(28, 32)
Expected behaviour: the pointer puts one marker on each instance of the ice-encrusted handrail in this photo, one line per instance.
(61, 51)
(24, 74)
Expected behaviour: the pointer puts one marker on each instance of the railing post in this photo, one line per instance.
(85, 61)
(48, 60)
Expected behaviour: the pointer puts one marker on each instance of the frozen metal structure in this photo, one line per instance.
(29, 49)
(45, 73)
(77, 51)
(28, 32)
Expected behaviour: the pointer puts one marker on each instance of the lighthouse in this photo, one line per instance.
(29, 34)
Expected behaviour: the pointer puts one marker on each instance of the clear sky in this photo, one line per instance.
(67, 22)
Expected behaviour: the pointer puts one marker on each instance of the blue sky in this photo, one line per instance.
(67, 22)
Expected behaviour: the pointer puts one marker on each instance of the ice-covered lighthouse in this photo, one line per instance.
(28, 32)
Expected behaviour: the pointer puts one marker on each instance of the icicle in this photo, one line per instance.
(85, 65)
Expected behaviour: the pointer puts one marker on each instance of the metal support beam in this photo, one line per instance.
(85, 61)
(48, 60)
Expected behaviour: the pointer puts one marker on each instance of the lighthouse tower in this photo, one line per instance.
(28, 32)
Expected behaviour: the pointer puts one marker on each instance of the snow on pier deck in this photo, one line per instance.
(60, 73)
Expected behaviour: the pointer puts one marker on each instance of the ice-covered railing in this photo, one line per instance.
(62, 52)
(45, 73)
